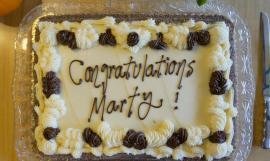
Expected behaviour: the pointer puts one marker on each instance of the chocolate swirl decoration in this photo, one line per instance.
(91, 138)
(129, 139)
(218, 137)
(191, 40)
(132, 39)
(203, 37)
(107, 38)
(50, 133)
(135, 139)
(140, 142)
(158, 44)
(177, 138)
(217, 83)
(67, 38)
(50, 84)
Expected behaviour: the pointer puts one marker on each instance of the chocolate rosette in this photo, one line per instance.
(107, 38)
(91, 138)
(218, 137)
(179, 137)
(140, 141)
(66, 38)
(203, 37)
(50, 84)
(129, 139)
(158, 44)
(217, 83)
(133, 39)
(191, 40)
(135, 139)
(50, 133)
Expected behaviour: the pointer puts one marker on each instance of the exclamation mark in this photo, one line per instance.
(176, 100)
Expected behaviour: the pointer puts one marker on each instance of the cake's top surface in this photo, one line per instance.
(102, 84)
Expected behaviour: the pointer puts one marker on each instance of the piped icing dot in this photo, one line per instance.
(50, 133)
(132, 39)
(135, 139)
(107, 38)
(203, 37)
(217, 83)
(218, 137)
(67, 38)
(91, 138)
(50, 84)
(177, 138)
(158, 44)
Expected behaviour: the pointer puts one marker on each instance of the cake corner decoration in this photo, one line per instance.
(105, 88)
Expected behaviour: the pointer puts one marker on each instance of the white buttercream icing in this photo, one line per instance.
(217, 119)
(217, 101)
(158, 136)
(160, 152)
(149, 23)
(196, 135)
(70, 141)
(177, 36)
(217, 60)
(66, 25)
(48, 147)
(200, 25)
(217, 151)
(220, 34)
(186, 151)
(57, 103)
(111, 138)
(49, 59)
(86, 36)
(46, 119)
(96, 151)
(47, 36)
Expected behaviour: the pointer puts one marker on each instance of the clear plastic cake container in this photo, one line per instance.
(215, 10)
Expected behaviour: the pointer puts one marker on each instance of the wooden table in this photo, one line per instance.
(248, 9)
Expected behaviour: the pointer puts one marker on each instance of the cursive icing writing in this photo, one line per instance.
(100, 106)
(100, 75)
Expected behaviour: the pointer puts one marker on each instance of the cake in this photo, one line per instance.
(105, 87)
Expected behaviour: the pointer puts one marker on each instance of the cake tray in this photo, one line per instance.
(163, 10)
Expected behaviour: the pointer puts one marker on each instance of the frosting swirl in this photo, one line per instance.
(218, 137)
(135, 139)
(50, 133)
(50, 84)
(91, 137)
(129, 139)
(140, 141)
(178, 137)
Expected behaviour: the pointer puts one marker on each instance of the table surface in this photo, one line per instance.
(248, 10)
